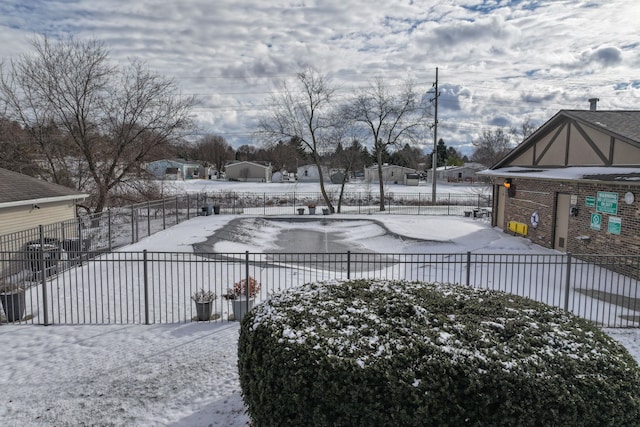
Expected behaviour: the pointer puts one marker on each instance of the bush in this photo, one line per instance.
(377, 353)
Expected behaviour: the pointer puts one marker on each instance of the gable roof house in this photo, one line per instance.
(310, 173)
(248, 171)
(27, 202)
(391, 174)
(465, 173)
(175, 169)
(574, 183)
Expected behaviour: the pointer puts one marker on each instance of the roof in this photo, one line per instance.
(176, 161)
(244, 162)
(17, 189)
(625, 125)
(619, 125)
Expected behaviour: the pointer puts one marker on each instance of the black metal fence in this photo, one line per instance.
(118, 227)
(156, 287)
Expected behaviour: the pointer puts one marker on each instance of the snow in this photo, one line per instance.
(179, 374)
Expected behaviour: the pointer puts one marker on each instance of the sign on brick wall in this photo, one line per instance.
(615, 225)
(607, 202)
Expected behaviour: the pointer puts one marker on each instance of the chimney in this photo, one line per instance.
(593, 104)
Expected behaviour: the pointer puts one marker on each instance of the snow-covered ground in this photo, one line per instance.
(168, 374)
(211, 185)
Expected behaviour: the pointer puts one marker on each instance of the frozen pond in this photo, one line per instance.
(307, 235)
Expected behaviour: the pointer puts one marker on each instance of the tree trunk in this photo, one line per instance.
(381, 181)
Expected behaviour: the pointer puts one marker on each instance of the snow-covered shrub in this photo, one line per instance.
(364, 353)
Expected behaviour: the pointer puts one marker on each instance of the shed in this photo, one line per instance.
(248, 171)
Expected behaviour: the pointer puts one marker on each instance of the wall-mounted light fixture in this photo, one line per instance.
(510, 186)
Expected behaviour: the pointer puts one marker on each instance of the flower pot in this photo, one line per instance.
(240, 307)
(13, 304)
(325, 211)
(203, 310)
(312, 211)
(216, 209)
(300, 211)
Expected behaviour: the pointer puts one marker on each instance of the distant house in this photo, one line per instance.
(391, 174)
(27, 202)
(309, 173)
(174, 169)
(248, 171)
(466, 173)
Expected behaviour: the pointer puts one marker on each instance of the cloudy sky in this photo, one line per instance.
(500, 62)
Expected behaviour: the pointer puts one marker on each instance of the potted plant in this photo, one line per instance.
(312, 208)
(242, 296)
(13, 301)
(204, 302)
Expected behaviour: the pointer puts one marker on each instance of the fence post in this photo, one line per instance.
(177, 216)
(567, 283)
(468, 267)
(418, 203)
(133, 230)
(146, 287)
(43, 276)
(348, 265)
(449, 205)
(164, 214)
(189, 207)
(109, 228)
(246, 277)
(148, 218)
(264, 203)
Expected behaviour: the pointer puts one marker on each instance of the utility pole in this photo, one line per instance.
(434, 156)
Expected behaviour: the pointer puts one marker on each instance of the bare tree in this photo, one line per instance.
(527, 127)
(303, 114)
(491, 146)
(390, 119)
(214, 150)
(347, 160)
(246, 152)
(90, 118)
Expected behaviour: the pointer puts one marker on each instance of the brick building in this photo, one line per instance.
(574, 183)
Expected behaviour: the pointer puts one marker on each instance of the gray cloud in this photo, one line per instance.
(498, 63)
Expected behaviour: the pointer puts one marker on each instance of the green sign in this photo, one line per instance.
(607, 202)
(615, 224)
(596, 220)
(589, 201)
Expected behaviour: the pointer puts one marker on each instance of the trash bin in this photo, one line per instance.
(76, 247)
(49, 259)
(206, 210)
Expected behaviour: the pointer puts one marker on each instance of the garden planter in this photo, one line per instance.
(240, 307)
(203, 310)
(312, 211)
(216, 210)
(325, 211)
(13, 304)
(300, 211)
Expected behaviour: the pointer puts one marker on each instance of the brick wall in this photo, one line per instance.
(534, 195)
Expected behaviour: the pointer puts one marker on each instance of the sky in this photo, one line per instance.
(175, 374)
(499, 62)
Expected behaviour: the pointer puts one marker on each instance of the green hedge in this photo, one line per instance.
(393, 353)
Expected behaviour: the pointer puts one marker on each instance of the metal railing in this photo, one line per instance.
(156, 287)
